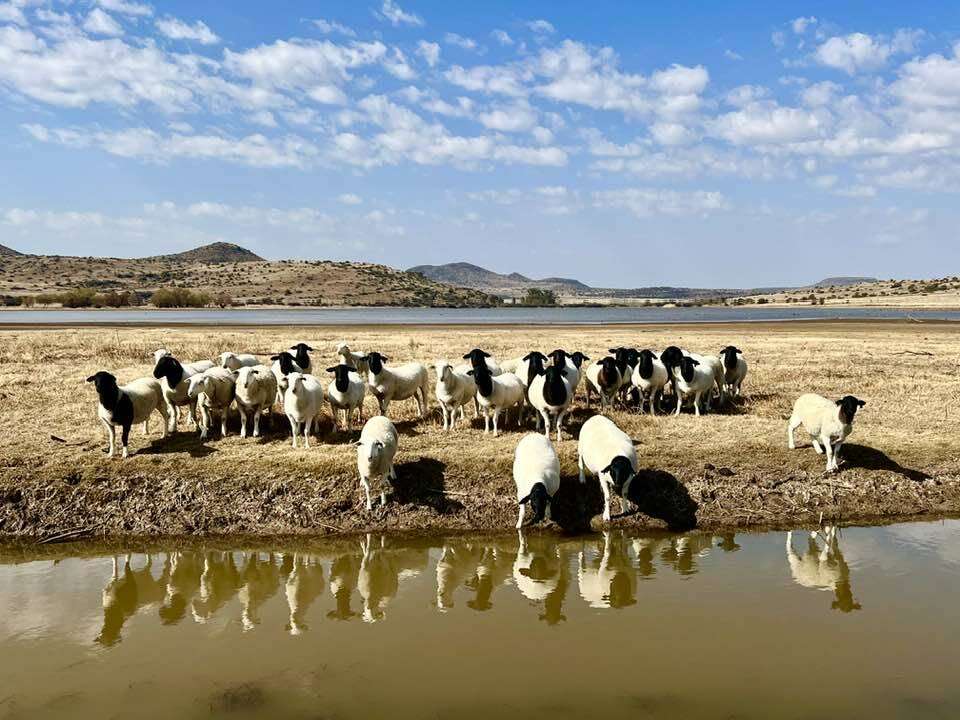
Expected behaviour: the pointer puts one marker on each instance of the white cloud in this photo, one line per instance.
(501, 80)
(429, 51)
(515, 118)
(860, 52)
(392, 13)
(646, 202)
(502, 37)
(857, 191)
(732, 55)
(778, 39)
(12, 13)
(350, 199)
(767, 123)
(126, 7)
(396, 64)
(100, 23)
(176, 29)
(801, 24)
(461, 42)
(541, 27)
(331, 27)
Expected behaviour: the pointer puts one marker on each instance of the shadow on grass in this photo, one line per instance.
(870, 458)
(180, 442)
(660, 495)
(421, 482)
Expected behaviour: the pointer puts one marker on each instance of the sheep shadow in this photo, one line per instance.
(660, 495)
(180, 442)
(421, 482)
(870, 458)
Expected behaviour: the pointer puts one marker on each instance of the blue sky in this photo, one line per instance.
(624, 144)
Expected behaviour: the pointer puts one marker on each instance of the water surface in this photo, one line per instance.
(695, 626)
(471, 316)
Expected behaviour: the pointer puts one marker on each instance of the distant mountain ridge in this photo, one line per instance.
(473, 276)
(466, 274)
(843, 281)
(9, 252)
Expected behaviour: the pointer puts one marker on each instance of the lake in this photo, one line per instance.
(537, 626)
(468, 316)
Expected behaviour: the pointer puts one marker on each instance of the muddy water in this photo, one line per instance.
(696, 626)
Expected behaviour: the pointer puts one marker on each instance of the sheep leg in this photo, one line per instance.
(112, 436)
(486, 421)
(224, 414)
(496, 418)
(124, 439)
(422, 402)
(836, 455)
(583, 479)
(307, 426)
(443, 411)
(146, 426)
(171, 417)
(696, 403)
(816, 446)
(293, 429)
(559, 424)
(256, 421)
(243, 423)
(791, 429)
(831, 462)
(606, 500)
(546, 423)
(366, 488)
(523, 509)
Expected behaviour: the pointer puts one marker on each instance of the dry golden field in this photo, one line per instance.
(726, 469)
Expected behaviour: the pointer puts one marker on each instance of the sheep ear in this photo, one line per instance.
(332, 369)
(358, 443)
(308, 347)
(694, 362)
(585, 357)
(607, 468)
(469, 372)
(274, 357)
(467, 356)
(527, 357)
(91, 378)
(486, 354)
(351, 368)
(861, 403)
(523, 500)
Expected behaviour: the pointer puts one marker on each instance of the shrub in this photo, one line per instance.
(179, 298)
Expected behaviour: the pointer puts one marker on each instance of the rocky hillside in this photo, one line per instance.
(244, 279)
(473, 276)
(8, 252)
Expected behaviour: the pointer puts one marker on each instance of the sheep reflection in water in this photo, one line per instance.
(608, 581)
(823, 568)
(381, 570)
(540, 573)
(126, 593)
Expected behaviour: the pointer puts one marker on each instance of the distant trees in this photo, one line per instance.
(177, 297)
(540, 297)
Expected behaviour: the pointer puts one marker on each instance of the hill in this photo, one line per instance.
(9, 252)
(843, 281)
(473, 276)
(228, 270)
(213, 254)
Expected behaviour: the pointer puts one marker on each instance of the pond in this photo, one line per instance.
(862, 624)
(469, 316)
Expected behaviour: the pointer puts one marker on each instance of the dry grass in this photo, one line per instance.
(733, 467)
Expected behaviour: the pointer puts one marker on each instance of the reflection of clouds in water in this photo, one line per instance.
(941, 539)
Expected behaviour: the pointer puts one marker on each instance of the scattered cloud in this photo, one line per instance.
(541, 27)
(393, 14)
(331, 27)
(100, 23)
(176, 29)
(126, 7)
(429, 51)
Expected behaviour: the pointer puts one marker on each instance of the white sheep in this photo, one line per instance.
(302, 403)
(453, 390)
(715, 365)
(693, 379)
(376, 450)
(284, 363)
(536, 472)
(608, 452)
(828, 422)
(496, 395)
(256, 389)
(353, 359)
(346, 392)
(734, 369)
(604, 379)
(399, 383)
(213, 392)
(174, 379)
(235, 361)
(197, 365)
(511, 365)
(551, 394)
(479, 357)
(649, 378)
(128, 405)
(573, 362)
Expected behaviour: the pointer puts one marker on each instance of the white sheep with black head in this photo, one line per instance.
(828, 422)
(127, 405)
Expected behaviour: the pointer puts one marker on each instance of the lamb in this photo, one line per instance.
(453, 390)
(693, 379)
(302, 403)
(353, 359)
(174, 379)
(346, 393)
(213, 392)
(256, 389)
(128, 405)
(376, 450)
(496, 394)
(399, 383)
(551, 394)
(608, 452)
(734, 369)
(604, 379)
(536, 472)
(829, 423)
(649, 378)
(479, 357)
(235, 361)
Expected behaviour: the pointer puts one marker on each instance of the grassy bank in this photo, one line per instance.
(724, 470)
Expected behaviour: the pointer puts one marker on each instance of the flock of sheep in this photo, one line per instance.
(545, 385)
